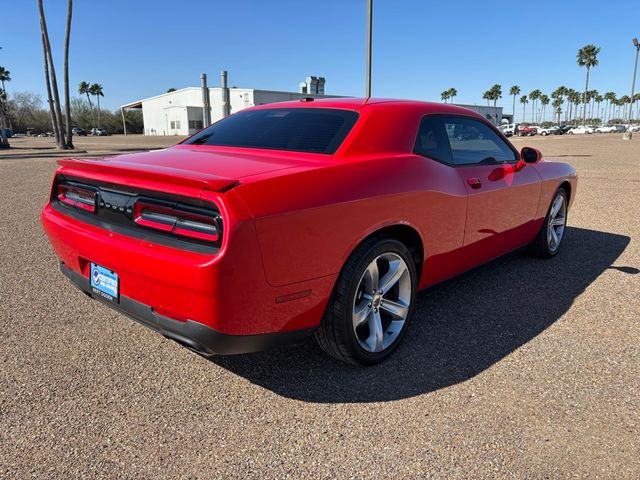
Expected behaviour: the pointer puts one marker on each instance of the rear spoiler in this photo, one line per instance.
(174, 176)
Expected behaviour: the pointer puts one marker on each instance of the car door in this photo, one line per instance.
(502, 200)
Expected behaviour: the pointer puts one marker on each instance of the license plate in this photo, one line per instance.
(105, 283)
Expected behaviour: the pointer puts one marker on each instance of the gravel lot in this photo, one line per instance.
(520, 369)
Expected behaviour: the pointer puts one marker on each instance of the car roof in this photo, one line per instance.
(357, 103)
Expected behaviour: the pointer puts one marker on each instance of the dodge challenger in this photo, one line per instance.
(312, 217)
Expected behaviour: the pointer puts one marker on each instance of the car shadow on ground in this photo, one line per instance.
(460, 328)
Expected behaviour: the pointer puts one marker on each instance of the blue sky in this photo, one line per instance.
(137, 49)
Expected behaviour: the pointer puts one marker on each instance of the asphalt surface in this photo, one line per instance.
(523, 368)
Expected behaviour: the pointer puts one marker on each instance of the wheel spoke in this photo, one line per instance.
(373, 275)
(558, 221)
(554, 238)
(376, 336)
(556, 206)
(396, 269)
(361, 314)
(397, 310)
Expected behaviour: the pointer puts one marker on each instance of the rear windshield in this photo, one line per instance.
(312, 130)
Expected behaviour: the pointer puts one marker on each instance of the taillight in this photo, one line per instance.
(78, 197)
(202, 225)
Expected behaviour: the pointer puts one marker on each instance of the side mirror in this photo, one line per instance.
(530, 155)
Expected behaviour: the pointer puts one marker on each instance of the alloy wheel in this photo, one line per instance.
(557, 222)
(382, 302)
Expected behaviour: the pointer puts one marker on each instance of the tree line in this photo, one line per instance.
(584, 105)
(25, 114)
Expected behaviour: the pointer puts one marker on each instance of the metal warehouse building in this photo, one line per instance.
(187, 110)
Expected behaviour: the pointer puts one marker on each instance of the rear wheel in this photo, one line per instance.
(549, 239)
(371, 305)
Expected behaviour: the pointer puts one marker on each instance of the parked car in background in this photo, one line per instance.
(544, 131)
(525, 131)
(563, 129)
(317, 217)
(99, 132)
(581, 130)
(80, 132)
(605, 129)
(508, 129)
(634, 128)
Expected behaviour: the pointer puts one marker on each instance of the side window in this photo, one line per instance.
(473, 142)
(432, 140)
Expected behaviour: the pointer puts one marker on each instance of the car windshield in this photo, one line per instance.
(311, 130)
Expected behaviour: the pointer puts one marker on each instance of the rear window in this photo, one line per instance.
(312, 130)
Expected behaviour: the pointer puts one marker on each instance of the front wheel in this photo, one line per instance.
(549, 239)
(372, 303)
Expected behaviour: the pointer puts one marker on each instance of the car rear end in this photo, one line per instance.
(154, 244)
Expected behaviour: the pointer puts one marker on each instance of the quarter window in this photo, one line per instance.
(432, 140)
(473, 142)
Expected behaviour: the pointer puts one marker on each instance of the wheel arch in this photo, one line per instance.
(566, 186)
(405, 233)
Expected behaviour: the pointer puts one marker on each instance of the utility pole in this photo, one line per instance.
(628, 135)
(369, 34)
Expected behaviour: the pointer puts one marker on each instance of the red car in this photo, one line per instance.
(316, 217)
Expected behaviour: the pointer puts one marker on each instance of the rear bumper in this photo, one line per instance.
(193, 335)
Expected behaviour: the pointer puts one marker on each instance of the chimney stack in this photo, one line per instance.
(226, 107)
(206, 103)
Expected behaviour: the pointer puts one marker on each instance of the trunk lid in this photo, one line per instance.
(186, 165)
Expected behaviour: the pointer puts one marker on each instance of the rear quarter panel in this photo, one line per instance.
(309, 222)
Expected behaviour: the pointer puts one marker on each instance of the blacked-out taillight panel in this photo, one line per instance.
(163, 219)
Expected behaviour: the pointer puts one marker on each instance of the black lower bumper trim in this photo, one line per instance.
(193, 335)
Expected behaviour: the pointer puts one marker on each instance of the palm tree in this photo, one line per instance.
(84, 88)
(636, 98)
(610, 97)
(67, 98)
(514, 90)
(592, 98)
(96, 89)
(587, 57)
(558, 94)
(533, 96)
(452, 93)
(495, 93)
(598, 99)
(487, 96)
(4, 141)
(5, 76)
(51, 76)
(444, 96)
(523, 101)
(624, 101)
(557, 107)
(575, 99)
(544, 101)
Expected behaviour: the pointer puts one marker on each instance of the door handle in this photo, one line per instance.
(474, 182)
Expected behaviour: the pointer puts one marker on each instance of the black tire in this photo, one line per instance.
(336, 335)
(540, 246)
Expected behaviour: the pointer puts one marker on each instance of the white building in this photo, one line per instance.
(181, 112)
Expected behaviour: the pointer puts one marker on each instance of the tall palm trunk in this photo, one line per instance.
(4, 141)
(54, 124)
(584, 98)
(98, 97)
(514, 109)
(524, 105)
(52, 73)
(67, 99)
